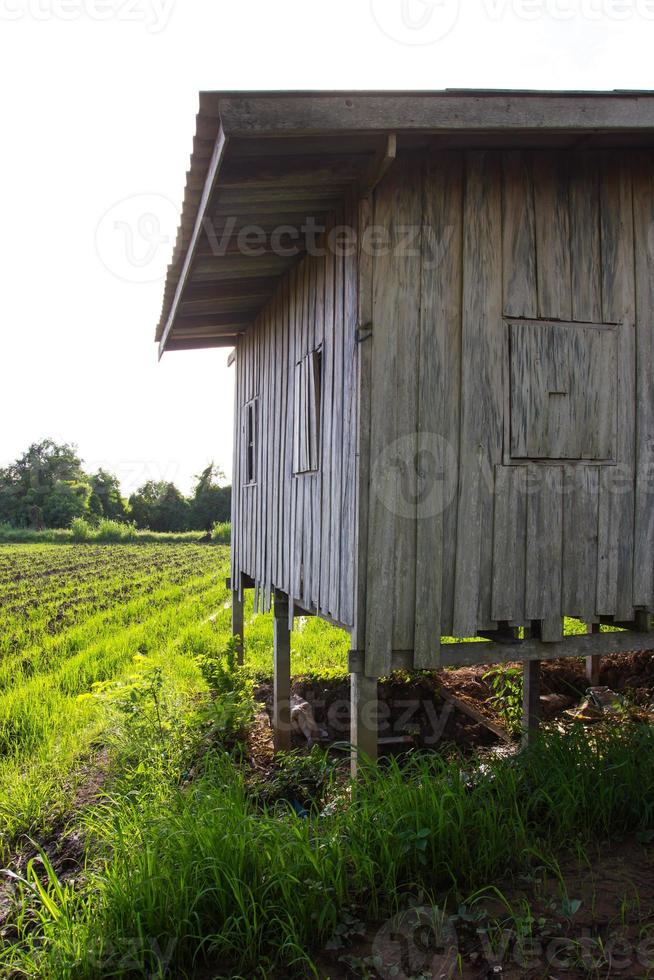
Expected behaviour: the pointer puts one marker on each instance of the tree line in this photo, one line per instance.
(47, 487)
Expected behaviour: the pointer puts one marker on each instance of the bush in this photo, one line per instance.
(115, 531)
(81, 530)
(221, 532)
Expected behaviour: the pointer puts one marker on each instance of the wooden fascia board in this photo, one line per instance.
(441, 112)
(217, 159)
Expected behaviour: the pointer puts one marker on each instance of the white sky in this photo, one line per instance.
(97, 105)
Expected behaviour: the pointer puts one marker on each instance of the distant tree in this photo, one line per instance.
(67, 500)
(105, 499)
(160, 506)
(46, 484)
(210, 501)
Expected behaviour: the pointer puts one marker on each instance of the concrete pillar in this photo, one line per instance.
(363, 718)
(282, 674)
(237, 625)
(530, 700)
(593, 662)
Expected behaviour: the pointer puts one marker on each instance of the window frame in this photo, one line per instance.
(307, 413)
(249, 430)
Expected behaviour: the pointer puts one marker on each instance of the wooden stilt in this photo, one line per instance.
(282, 674)
(237, 625)
(530, 700)
(643, 620)
(363, 718)
(593, 662)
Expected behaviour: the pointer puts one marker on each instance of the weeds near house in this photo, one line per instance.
(507, 684)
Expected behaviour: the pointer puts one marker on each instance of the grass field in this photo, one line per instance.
(120, 710)
(73, 617)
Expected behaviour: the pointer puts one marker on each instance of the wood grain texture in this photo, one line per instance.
(383, 433)
(544, 549)
(551, 199)
(520, 292)
(438, 400)
(616, 530)
(643, 197)
(482, 384)
(580, 533)
(509, 544)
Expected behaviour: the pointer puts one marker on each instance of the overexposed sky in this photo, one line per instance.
(97, 113)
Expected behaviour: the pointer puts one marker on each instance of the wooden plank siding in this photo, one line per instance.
(486, 439)
(294, 532)
(544, 239)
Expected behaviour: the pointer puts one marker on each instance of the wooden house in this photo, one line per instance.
(442, 310)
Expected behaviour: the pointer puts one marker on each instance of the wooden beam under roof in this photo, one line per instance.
(290, 171)
(280, 113)
(221, 267)
(201, 343)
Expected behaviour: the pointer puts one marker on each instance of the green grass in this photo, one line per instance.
(108, 532)
(206, 876)
(119, 651)
(71, 617)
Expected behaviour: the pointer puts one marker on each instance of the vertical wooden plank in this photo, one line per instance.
(406, 314)
(518, 236)
(281, 674)
(580, 525)
(438, 397)
(390, 607)
(318, 412)
(287, 462)
(482, 385)
(236, 474)
(509, 544)
(552, 235)
(585, 247)
(326, 440)
(297, 512)
(271, 450)
(544, 549)
(350, 391)
(307, 480)
(643, 209)
(363, 380)
(337, 437)
(383, 431)
(444, 213)
(282, 352)
(616, 529)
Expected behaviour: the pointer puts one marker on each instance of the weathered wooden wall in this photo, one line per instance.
(461, 535)
(297, 533)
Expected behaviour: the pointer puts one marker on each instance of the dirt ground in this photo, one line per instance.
(595, 920)
(418, 710)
